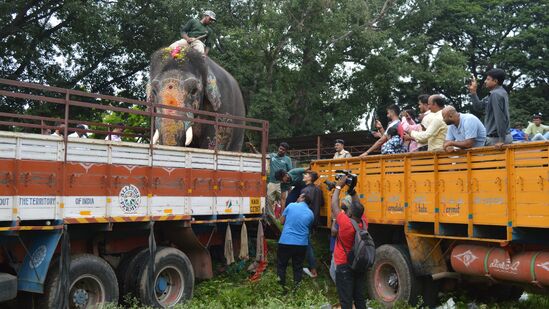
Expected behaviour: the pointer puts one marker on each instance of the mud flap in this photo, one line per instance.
(186, 241)
(426, 255)
(152, 252)
(64, 274)
(33, 271)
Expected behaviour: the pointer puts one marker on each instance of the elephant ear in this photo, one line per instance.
(212, 91)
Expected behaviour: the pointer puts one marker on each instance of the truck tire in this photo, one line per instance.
(173, 279)
(391, 279)
(128, 270)
(92, 282)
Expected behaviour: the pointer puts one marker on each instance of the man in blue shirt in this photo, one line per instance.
(297, 219)
(464, 130)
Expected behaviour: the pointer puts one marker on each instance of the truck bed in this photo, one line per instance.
(480, 194)
(95, 180)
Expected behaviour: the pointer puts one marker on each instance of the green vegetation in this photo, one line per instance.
(307, 66)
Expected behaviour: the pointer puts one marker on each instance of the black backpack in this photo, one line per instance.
(362, 254)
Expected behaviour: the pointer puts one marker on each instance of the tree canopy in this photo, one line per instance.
(307, 66)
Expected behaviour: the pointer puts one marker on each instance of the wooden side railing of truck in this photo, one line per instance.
(480, 194)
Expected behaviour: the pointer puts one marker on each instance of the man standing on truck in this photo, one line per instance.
(340, 150)
(393, 111)
(349, 283)
(435, 132)
(464, 130)
(278, 161)
(496, 108)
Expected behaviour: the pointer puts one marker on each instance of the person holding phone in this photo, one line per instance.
(495, 106)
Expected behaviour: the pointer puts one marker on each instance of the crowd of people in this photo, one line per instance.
(438, 127)
(301, 201)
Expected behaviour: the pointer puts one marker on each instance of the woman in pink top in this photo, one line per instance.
(408, 124)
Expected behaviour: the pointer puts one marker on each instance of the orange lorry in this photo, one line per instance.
(477, 218)
(84, 221)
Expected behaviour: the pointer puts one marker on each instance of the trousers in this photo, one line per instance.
(283, 255)
(351, 287)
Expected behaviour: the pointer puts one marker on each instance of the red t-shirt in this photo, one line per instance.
(345, 237)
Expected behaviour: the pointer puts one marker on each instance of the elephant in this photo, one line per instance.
(186, 78)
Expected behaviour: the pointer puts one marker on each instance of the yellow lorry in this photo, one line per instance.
(479, 217)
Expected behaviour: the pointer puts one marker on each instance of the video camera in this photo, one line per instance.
(350, 181)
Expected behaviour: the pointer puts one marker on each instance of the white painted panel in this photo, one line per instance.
(229, 163)
(85, 152)
(8, 146)
(38, 207)
(168, 205)
(47, 150)
(201, 205)
(169, 158)
(6, 205)
(130, 155)
(251, 164)
(202, 160)
(85, 206)
(228, 205)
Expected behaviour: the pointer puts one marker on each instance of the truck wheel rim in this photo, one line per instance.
(87, 291)
(386, 282)
(168, 286)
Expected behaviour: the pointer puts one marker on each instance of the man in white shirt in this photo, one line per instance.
(114, 136)
(435, 128)
(393, 111)
(80, 134)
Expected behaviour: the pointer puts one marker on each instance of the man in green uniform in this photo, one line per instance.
(197, 33)
(288, 179)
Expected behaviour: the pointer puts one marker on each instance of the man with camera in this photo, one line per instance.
(349, 282)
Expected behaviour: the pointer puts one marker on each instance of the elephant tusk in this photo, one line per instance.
(188, 136)
(156, 137)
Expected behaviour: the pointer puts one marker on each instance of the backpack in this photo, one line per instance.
(362, 254)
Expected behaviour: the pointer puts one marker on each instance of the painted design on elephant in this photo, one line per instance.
(222, 136)
(170, 130)
(212, 91)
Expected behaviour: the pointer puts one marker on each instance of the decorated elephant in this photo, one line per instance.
(186, 78)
